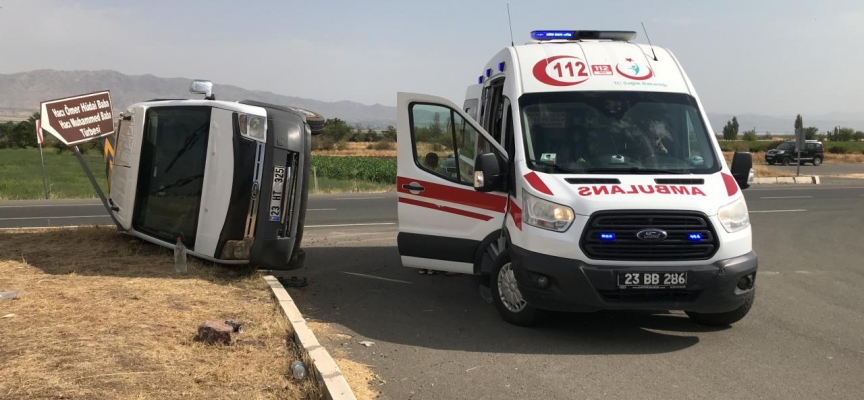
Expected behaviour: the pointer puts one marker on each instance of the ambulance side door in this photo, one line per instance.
(442, 219)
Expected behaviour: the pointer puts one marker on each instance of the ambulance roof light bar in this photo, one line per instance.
(545, 35)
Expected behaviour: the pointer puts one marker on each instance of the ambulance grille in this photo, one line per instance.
(625, 245)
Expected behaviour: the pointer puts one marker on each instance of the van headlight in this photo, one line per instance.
(545, 214)
(253, 126)
(735, 216)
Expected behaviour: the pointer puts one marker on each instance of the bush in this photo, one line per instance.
(342, 145)
(837, 149)
(380, 146)
(380, 170)
(323, 143)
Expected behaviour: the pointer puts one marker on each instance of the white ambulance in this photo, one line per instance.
(581, 174)
(229, 179)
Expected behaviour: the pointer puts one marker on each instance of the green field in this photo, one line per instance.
(21, 177)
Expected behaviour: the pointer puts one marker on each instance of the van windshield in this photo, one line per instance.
(616, 132)
(786, 146)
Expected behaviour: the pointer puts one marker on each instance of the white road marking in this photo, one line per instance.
(54, 205)
(788, 197)
(376, 277)
(775, 211)
(67, 217)
(55, 227)
(769, 273)
(346, 225)
(358, 198)
(320, 209)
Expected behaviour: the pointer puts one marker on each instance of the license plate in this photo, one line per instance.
(652, 280)
(276, 193)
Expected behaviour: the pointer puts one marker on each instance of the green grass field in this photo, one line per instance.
(21, 177)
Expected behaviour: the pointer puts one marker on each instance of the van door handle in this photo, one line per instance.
(413, 187)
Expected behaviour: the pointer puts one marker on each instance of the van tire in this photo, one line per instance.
(817, 161)
(724, 319)
(787, 161)
(527, 315)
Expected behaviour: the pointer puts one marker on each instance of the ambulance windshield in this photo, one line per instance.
(613, 132)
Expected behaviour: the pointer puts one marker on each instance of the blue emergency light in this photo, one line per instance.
(607, 236)
(501, 66)
(696, 237)
(624, 36)
(546, 35)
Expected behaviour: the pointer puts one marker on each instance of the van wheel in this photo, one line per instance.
(506, 296)
(817, 161)
(724, 319)
(787, 161)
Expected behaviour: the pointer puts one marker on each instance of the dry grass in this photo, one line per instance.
(104, 316)
(359, 150)
(359, 376)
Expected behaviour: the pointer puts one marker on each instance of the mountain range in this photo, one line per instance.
(21, 93)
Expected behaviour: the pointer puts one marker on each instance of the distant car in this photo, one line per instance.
(786, 154)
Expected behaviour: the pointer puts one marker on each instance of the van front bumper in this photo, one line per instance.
(578, 286)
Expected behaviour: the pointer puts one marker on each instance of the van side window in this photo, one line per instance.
(445, 144)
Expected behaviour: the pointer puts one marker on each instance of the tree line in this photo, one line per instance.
(337, 132)
(838, 134)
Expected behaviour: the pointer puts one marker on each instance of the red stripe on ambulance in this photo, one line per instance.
(446, 209)
(537, 183)
(463, 196)
(585, 191)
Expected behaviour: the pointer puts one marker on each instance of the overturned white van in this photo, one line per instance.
(227, 178)
(580, 174)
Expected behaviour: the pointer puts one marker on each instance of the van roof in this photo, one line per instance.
(594, 65)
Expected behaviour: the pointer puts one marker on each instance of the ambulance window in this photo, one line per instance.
(471, 106)
(445, 144)
(495, 110)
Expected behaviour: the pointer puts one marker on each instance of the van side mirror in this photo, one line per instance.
(487, 173)
(202, 87)
(742, 169)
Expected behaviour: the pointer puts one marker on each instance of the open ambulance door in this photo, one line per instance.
(442, 219)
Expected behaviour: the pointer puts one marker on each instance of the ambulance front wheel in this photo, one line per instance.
(506, 296)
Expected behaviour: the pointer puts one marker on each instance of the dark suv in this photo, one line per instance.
(786, 154)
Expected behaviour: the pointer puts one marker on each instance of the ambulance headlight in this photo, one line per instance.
(545, 214)
(735, 216)
(253, 126)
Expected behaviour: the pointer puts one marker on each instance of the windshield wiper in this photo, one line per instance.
(633, 170)
(556, 167)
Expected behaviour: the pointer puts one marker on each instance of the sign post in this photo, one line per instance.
(80, 119)
(39, 139)
(799, 145)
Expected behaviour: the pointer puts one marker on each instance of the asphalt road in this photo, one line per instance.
(824, 169)
(435, 338)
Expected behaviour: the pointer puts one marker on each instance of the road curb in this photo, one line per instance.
(787, 180)
(325, 369)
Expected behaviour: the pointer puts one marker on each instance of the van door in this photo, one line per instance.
(442, 219)
(122, 163)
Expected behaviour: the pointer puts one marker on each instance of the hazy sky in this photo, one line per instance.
(754, 56)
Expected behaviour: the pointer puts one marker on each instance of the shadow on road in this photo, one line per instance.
(366, 290)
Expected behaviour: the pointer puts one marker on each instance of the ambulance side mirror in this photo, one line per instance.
(742, 169)
(487, 173)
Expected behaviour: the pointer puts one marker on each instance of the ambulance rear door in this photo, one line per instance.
(442, 219)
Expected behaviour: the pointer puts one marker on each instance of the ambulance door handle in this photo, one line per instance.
(413, 187)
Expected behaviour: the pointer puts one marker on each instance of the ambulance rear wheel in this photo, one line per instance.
(506, 296)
